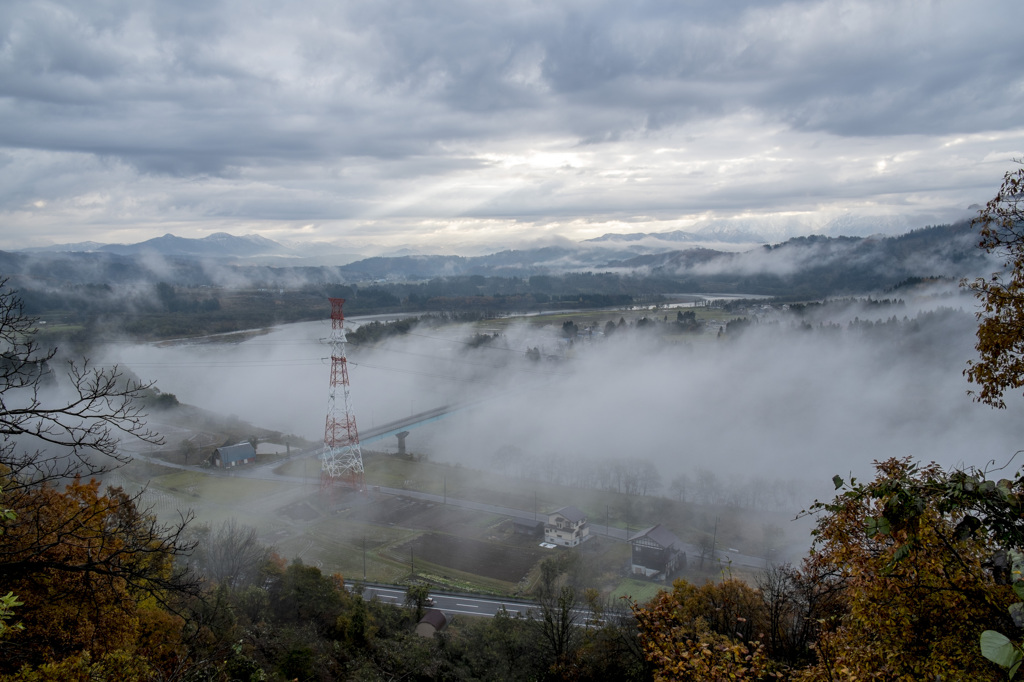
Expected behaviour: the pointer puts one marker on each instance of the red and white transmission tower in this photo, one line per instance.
(342, 459)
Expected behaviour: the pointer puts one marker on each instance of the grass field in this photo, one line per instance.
(396, 539)
(637, 590)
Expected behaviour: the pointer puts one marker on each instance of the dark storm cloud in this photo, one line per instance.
(149, 82)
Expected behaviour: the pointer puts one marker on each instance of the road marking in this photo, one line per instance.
(468, 606)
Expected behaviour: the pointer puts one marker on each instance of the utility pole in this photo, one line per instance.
(714, 540)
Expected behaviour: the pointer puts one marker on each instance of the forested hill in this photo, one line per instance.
(817, 266)
(814, 266)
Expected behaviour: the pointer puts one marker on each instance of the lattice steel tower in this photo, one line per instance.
(342, 460)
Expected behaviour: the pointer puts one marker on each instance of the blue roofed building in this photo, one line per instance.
(228, 456)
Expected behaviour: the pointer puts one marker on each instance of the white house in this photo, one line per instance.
(567, 527)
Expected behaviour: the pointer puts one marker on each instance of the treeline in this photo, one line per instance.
(99, 590)
(805, 308)
(166, 311)
(82, 312)
(927, 332)
(902, 581)
(799, 269)
(638, 476)
(376, 331)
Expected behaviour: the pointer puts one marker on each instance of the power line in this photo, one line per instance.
(421, 373)
(467, 362)
(230, 363)
(471, 344)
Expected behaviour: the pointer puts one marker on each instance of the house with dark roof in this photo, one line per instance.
(567, 527)
(228, 456)
(656, 553)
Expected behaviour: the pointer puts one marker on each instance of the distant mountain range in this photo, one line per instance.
(809, 264)
(761, 230)
(256, 250)
(218, 246)
(719, 234)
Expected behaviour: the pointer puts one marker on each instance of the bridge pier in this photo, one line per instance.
(401, 442)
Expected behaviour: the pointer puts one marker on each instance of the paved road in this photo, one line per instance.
(455, 603)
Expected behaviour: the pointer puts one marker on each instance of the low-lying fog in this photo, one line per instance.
(781, 401)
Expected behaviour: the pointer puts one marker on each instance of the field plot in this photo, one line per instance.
(637, 591)
(473, 556)
(421, 515)
(393, 537)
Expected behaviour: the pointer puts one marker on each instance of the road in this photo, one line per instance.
(462, 604)
(455, 603)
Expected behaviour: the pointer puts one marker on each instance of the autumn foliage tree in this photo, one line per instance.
(1000, 367)
(915, 576)
(93, 571)
(707, 633)
(904, 576)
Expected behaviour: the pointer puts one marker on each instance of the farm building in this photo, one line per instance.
(525, 527)
(656, 553)
(228, 456)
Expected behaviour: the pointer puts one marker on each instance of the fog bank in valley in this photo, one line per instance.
(777, 403)
(791, 398)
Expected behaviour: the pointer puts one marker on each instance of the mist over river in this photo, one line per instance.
(784, 400)
(276, 380)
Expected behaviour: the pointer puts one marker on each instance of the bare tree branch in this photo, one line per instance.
(54, 427)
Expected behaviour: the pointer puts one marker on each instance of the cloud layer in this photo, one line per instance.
(416, 123)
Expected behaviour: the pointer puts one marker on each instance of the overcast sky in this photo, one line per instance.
(432, 123)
